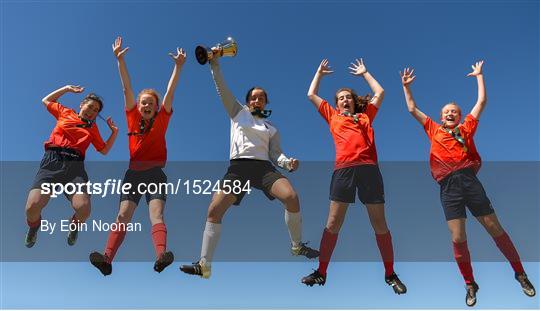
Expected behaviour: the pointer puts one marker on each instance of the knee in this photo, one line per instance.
(33, 203)
(290, 199)
(459, 237)
(213, 214)
(156, 217)
(81, 206)
(494, 229)
(123, 217)
(333, 226)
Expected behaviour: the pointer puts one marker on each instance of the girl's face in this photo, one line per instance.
(89, 110)
(257, 99)
(147, 106)
(450, 115)
(345, 102)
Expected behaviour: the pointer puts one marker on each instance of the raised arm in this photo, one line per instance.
(406, 79)
(52, 97)
(482, 98)
(110, 141)
(179, 60)
(129, 98)
(359, 69)
(232, 106)
(323, 70)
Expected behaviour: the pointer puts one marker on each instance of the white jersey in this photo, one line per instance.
(251, 137)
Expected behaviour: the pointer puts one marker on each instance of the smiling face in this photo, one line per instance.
(345, 101)
(450, 115)
(147, 105)
(89, 109)
(257, 99)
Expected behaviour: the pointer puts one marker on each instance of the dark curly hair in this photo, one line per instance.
(360, 102)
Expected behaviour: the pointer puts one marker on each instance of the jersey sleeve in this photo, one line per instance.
(469, 125)
(430, 127)
(56, 109)
(326, 111)
(163, 117)
(132, 118)
(371, 112)
(97, 140)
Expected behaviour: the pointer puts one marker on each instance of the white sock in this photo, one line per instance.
(211, 235)
(294, 224)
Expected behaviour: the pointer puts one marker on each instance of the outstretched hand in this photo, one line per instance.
(117, 48)
(180, 57)
(358, 68)
(111, 125)
(324, 68)
(74, 88)
(477, 69)
(407, 76)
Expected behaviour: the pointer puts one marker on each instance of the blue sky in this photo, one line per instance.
(47, 44)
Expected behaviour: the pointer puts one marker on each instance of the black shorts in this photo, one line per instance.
(154, 176)
(364, 179)
(462, 188)
(260, 174)
(62, 166)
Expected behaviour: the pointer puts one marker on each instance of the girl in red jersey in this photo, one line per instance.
(63, 162)
(147, 125)
(454, 163)
(356, 168)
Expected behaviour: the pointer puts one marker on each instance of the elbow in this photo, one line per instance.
(380, 93)
(104, 151)
(311, 96)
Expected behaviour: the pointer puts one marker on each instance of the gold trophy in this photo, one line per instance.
(225, 48)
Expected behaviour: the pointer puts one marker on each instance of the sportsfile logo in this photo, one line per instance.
(116, 187)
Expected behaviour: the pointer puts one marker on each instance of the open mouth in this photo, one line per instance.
(450, 118)
(147, 111)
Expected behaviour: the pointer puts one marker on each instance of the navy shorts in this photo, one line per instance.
(260, 174)
(62, 166)
(154, 176)
(366, 180)
(462, 189)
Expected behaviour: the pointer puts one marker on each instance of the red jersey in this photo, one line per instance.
(448, 155)
(69, 133)
(149, 149)
(354, 141)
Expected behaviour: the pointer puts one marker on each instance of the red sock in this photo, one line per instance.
(116, 237)
(463, 259)
(509, 251)
(328, 242)
(34, 224)
(159, 237)
(384, 242)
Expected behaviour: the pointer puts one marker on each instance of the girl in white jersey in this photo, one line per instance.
(255, 145)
